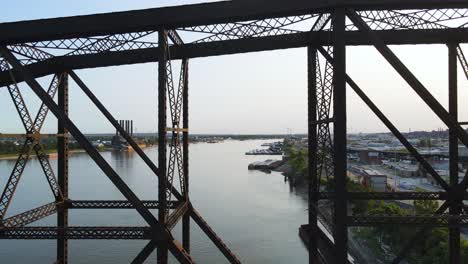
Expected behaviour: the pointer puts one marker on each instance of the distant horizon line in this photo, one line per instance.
(272, 134)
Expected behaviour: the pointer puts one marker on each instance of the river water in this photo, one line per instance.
(256, 214)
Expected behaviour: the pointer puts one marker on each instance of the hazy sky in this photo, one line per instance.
(263, 92)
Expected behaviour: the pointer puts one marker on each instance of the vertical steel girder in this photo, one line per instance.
(456, 207)
(175, 163)
(162, 140)
(324, 100)
(312, 159)
(62, 163)
(339, 111)
(178, 149)
(175, 98)
(324, 96)
(320, 144)
(185, 159)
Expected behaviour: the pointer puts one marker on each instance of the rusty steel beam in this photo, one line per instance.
(62, 168)
(145, 253)
(114, 204)
(191, 15)
(31, 216)
(456, 208)
(78, 232)
(185, 158)
(177, 215)
(313, 186)
(227, 47)
(162, 139)
(36, 135)
(340, 234)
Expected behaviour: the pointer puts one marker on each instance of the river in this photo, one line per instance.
(255, 213)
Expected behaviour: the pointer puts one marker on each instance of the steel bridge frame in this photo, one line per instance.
(30, 50)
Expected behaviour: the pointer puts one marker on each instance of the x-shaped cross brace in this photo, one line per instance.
(32, 143)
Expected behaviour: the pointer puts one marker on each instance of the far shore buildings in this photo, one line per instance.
(375, 159)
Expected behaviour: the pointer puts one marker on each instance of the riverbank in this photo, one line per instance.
(52, 154)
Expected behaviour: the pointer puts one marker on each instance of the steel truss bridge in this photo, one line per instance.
(57, 47)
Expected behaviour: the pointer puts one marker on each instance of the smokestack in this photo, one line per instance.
(131, 128)
(121, 123)
(128, 126)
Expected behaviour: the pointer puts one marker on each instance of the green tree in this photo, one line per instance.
(425, 143)
(422, 207)
(298, 159)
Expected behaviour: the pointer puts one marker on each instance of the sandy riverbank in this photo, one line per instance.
(52, 155)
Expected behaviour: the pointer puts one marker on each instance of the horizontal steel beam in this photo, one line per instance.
(36, 136)
(114, 204)
(227, 47)
(77, 232)
(391, 195)
(191, 15)
(427, 220)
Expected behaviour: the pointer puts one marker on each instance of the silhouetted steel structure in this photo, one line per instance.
(33, 49)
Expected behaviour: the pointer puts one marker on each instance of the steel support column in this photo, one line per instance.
(455, 208)
(185, 160)
(162, 140)
(339, 110)
(312, 159)
(62, 163)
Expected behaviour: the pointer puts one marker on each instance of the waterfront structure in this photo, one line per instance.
(375, 179)
(29, 51)
(118, 142)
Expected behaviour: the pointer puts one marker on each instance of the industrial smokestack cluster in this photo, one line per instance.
(127, 125)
